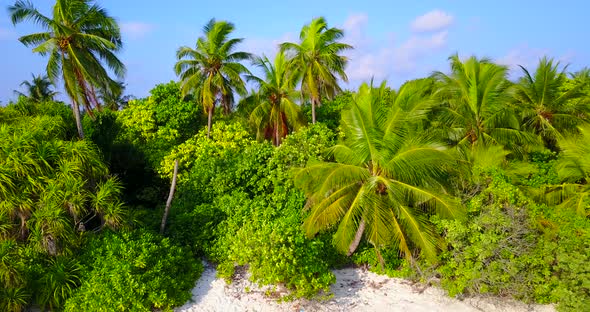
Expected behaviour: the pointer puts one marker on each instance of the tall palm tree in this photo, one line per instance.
(38, 89)
(276, 111)
(79, 38)
(385, 182)
(317, 60)
(546, 110)
(213, 70)
(475, 99)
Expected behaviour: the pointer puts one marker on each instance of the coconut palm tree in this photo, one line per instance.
(475, 99)
(212, 71)
(545, 109)
(114, 97)
(318, 62)
(79, 38)
(276, 112)
(574, 172)
(385, 181)
(38, 89)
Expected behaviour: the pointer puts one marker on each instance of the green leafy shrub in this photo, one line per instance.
(513, 246)
(565, 246)
(236, 204)
(134, 271)
(265, 234)
(329, 112)
(366, 255)
(160, 122)
(24, 107)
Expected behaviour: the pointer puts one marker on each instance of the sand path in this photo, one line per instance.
(354, 290)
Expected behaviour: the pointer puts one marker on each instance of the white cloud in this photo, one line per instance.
(432, 21)
(366, 66)
(407, 55)
(355, 30)
(387, 57)
(136, 30)
(376, 58)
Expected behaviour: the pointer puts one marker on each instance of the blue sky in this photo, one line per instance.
(394, 40)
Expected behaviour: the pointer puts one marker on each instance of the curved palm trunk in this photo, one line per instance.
(170, 195)
(357, 238)
(76, 109)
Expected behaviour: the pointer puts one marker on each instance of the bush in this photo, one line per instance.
(236, 204)
(265, 234)
(513, 246)
(134, 271)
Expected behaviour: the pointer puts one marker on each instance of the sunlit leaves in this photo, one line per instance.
(386, 177)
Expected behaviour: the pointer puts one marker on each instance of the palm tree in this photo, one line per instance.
(38, 89)
(79, 38)
(546, 110)
(475, 99)
(574, 172)
(276, 111)
(113, 97)
(581, 75)
(317, 60)
(212, 70)
(385, 182)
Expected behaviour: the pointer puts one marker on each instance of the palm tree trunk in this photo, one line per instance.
(170, 195)
(209, 120)
(313, 110)
(277, 133)
(76, 110)
(357, 238)
(380, 258)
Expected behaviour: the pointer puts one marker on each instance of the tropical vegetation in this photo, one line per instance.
(465, 178)
(80, 38)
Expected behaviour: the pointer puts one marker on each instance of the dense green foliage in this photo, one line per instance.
(55, 191)
(384, 180)
(151, 272)
(513, 246)
(238, 193)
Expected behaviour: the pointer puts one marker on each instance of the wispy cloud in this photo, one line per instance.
(522, 55)
(528, 57)
(416, 47)
(435, 20)
(381, 58)
(136, 30)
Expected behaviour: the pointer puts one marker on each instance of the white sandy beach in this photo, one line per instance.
(354, 290)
